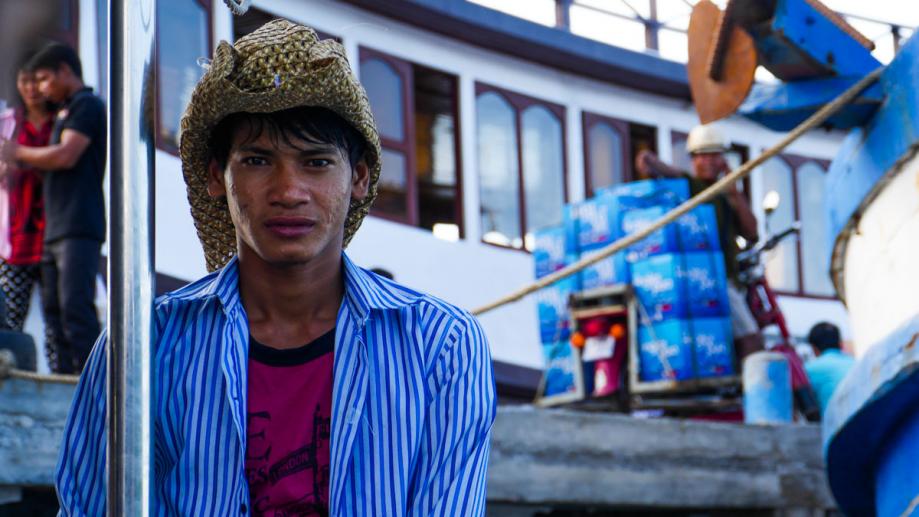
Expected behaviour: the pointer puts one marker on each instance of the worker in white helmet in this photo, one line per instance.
(707, 145)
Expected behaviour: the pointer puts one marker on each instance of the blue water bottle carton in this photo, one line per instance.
(560, 365)
(660, 287)
(706, 284)
(664, 240)
(665, 351)
(713, 343)
(552, 307)
(698, 229)
(669, 191)
(612, 270)
(550, 250)
(594, 222)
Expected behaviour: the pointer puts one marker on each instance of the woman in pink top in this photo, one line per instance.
(19, 264)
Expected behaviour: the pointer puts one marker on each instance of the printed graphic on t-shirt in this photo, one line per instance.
(287, 429)
(263, 468)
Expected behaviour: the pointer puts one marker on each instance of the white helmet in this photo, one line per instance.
(706, 139)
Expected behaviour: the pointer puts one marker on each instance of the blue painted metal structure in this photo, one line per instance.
(869, 429)
(817, 59)
(783, 106)
(871, 426)
(869, 153)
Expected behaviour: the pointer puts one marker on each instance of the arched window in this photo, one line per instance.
(543, 168)
(815, 243)
(521, 159)
(188, 22)
(499, 170)
(607, 143)
(415, 108)
(782, 262)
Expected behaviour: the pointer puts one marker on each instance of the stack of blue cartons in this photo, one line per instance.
(677, 273)
(593, 224)
(552, 251)
(680, 285)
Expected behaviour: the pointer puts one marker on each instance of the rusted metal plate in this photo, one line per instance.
(716, 99)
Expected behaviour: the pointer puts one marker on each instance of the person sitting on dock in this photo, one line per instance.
(831, 365)
(706, 146)
(289, 380)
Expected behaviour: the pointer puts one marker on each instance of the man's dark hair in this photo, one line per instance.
(312, 125)
(55, 55)
(824, 336)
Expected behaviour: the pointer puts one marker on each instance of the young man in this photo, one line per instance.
(830, 366)
(74, 167)
(290, 381)
(706, 146)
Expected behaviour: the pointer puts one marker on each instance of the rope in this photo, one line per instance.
(716, 188)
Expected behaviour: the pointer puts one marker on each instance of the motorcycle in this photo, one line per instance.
(764, 305)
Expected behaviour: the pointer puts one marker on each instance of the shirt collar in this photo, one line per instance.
(364, 291)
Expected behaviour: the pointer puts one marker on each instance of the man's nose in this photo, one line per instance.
(288, 186)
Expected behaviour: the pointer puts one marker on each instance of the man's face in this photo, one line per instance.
(708, 166)
(51, 83)
(288, 202)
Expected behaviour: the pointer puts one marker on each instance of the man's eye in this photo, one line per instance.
(318, 162)
(255, 160)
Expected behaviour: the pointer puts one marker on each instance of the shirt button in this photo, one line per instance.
(243, 508)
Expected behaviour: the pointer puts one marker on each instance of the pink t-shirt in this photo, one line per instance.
(289, 416)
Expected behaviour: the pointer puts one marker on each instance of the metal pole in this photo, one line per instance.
(130, 303)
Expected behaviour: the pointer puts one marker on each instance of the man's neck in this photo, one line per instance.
(290, 305)
(74, 86)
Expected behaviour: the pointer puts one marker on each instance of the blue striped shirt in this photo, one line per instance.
(413, 405)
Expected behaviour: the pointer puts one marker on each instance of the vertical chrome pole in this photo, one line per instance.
(130, 302)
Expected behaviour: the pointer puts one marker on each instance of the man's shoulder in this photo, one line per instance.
(199, 290)
(425, 302)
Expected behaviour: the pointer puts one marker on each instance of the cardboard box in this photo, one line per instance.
(660, 287)
(664, 240)
(698, 229)
(560, 364)
(706, 285)
(609, 271)
(713, 344)
(671, 191)
(552, 307)
(665, 351)
(550, 250)
(593, 223)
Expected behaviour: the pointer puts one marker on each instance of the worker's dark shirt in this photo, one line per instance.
(728, 225)
(74, 203)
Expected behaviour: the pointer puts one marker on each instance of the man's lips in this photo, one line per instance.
(290, 226)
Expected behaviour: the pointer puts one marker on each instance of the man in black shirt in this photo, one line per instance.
(74, 165)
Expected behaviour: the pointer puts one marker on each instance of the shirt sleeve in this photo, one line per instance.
(81, 479)
(87, 116)
(455, 443)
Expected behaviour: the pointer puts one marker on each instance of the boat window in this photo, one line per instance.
(522, 171)
(415, 108)
(815, 249)
(781, 262)
(188, 21)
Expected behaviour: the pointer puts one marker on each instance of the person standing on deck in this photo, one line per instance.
(20, 260)
(706, 146)
(74, 168)
(290, 381)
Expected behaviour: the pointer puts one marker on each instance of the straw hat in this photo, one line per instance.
(279, 66)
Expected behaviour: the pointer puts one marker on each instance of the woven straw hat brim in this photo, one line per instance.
(279, 66)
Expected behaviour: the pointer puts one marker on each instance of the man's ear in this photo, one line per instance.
(216, 186)
(360, 180)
